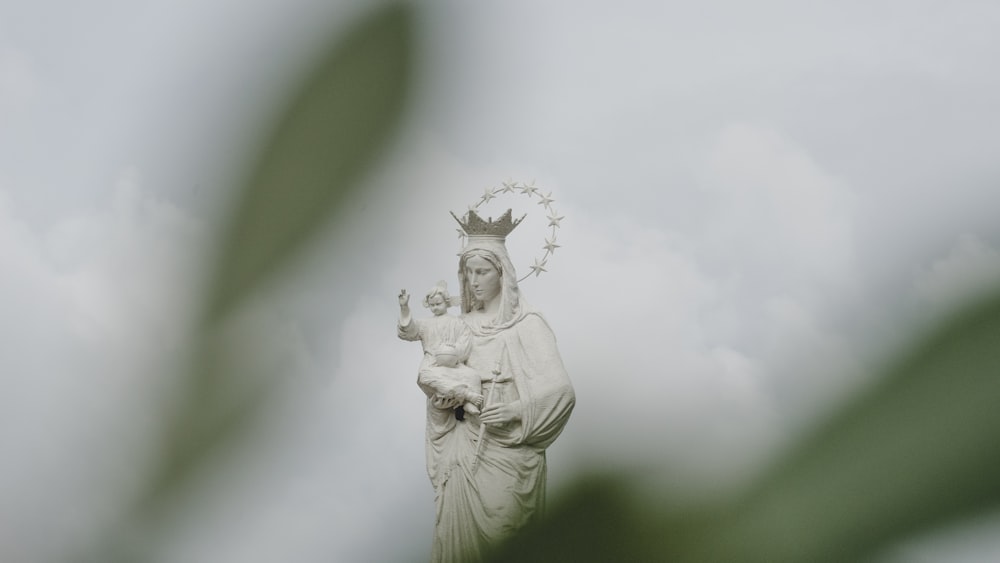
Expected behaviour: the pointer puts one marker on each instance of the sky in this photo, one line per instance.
(762, 202)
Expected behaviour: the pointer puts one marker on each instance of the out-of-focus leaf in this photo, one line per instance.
(329, 136)
(597, 520)
(217, 404)
(919, 449)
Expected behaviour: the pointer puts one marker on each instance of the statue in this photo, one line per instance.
(446, 341)
(488, 468)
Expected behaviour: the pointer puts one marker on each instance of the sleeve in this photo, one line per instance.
(546, 393)
(462, 338)
(412, 331)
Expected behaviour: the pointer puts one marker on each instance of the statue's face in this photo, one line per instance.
(437, 305)
(483, 278)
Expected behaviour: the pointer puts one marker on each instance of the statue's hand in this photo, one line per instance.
(404, 298)
(444, 403)
(501, 413)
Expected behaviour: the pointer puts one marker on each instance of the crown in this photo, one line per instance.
(475, 226)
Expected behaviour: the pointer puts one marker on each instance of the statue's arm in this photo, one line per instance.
(463, 340)
(552, 397)
(408, 328)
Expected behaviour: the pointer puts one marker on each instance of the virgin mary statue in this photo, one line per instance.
(488, 469)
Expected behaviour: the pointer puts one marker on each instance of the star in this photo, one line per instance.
(550, 245)
(530, 190)
(508, 188)
(487, 195)
(546, 199)
(538, 267)
(525, 189)
(554, 221)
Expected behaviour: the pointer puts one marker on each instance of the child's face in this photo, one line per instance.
(437, 305)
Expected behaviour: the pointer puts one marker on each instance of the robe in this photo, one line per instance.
(481, 501)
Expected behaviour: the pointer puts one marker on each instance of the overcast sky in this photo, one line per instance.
(762, 201)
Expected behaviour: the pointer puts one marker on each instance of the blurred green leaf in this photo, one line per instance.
(330, 134)
(597, 520)
(918, 449)
(216, 406)
(328, 137)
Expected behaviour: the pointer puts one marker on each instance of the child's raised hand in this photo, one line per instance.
(404, 298)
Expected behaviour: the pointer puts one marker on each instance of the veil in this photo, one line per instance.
(512, 306)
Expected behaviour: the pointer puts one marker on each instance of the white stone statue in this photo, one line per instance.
(488, 469)
(446, 340)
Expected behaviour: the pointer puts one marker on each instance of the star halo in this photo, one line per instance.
(545, 200)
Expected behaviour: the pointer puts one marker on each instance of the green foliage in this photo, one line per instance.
(917, 450)
(329, 135)
(599, 519)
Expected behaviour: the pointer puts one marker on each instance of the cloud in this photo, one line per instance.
(655, 383)
(970, 269)
(336, 463)
(775, 206)
(699, 348)
(18, 82)
(93, 320)
(132, 261)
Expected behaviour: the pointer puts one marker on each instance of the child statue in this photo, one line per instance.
(447, 341)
